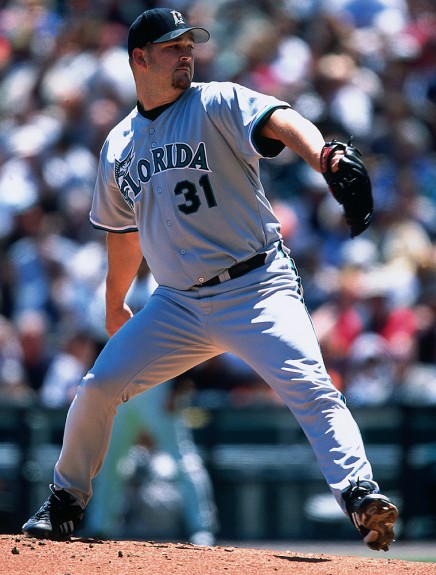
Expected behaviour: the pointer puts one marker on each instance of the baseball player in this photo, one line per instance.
(178, 183)
(172, 436)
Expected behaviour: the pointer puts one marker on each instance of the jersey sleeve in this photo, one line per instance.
(239, 113)
(110, 211)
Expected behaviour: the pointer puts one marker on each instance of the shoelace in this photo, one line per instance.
(44, 511)
(357, 491)
(53, 500)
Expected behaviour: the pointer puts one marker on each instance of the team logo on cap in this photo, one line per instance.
(178, 18)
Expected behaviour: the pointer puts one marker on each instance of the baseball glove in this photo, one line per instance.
(350, 184)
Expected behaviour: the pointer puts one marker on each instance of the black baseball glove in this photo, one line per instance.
(350, 184)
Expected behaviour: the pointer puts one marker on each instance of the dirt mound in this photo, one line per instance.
(25, 556)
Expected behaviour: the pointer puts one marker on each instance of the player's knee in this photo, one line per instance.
(101, 382)
(110, 386)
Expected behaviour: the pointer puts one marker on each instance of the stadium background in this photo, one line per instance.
(365, 70)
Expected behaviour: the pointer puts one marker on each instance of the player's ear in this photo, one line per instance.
(138, 56)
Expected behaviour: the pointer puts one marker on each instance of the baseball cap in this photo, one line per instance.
(161, 25)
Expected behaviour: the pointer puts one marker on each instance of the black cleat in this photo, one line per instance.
(372, 513)
(58, 517)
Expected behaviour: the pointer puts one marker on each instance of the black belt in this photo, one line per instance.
(237, 270)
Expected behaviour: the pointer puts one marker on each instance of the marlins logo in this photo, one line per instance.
(178, 18)
(121, 171)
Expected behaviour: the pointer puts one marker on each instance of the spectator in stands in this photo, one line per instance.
(33, 329)
(12, 379)
(76, 356)
(381, 54)
(369, 374)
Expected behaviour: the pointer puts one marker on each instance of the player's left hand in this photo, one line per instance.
(345, 173)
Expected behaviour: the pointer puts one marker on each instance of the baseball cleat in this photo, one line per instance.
(58, 517)
(372, 513)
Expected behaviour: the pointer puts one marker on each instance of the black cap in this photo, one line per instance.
(161, 25)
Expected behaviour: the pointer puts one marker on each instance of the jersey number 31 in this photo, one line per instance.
(191, 195)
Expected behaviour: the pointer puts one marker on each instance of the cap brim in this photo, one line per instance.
(201, 35)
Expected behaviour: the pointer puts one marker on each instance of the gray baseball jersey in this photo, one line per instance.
(189, 182)
(178, 179)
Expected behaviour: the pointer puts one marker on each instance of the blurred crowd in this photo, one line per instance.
(361, 69)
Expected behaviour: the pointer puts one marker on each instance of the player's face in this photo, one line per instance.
(173, 61)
